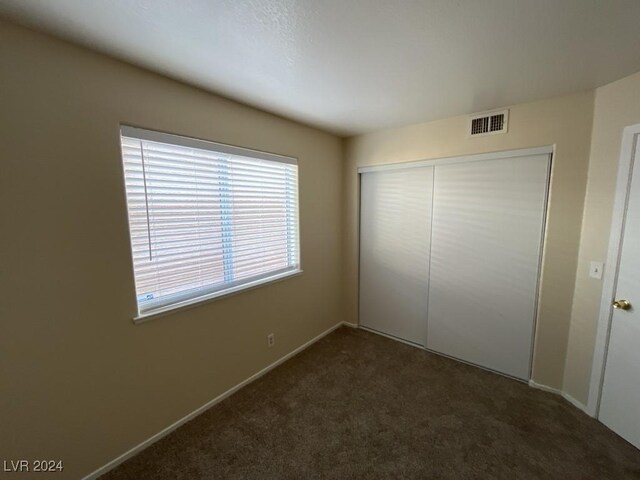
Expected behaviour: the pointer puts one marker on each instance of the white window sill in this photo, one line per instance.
(194, 302)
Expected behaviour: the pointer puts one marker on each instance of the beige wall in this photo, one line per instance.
(617, 105)
(564, 122)
(79, 382)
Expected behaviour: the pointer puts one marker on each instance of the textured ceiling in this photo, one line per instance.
(352, 66)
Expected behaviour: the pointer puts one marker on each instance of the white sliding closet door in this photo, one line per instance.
(395, 230)
(485, 253)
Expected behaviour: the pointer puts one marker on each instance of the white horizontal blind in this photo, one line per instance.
(204, 220)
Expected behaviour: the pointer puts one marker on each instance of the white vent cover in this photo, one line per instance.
(489, 123)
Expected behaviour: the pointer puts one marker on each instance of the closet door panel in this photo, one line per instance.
(395, 222)
(486, 244)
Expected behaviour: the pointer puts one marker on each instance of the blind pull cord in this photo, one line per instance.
(146, 198)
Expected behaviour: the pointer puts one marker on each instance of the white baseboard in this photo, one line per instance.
(350, 325)
(546, 388)
(146, 443)
(576, 403)
(564, 395)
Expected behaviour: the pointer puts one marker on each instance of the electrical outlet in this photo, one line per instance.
(271, 340)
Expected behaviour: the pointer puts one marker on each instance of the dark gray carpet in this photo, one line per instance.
(357, 405)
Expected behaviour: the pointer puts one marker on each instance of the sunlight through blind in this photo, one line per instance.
(205, 218)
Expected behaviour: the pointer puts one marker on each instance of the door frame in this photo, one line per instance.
(474, 157)
(610, 277)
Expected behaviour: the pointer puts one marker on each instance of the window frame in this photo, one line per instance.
(232, 289)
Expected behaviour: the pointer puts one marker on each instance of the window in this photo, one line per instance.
(206, 219)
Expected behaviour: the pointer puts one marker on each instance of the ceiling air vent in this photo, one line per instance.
(489, 123)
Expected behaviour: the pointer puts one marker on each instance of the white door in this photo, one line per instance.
(485, 256)
(395, 230)
(620, 402)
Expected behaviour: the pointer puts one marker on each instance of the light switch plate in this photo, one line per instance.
(595, 270)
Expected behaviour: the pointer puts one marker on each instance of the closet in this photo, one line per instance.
(450, 254)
